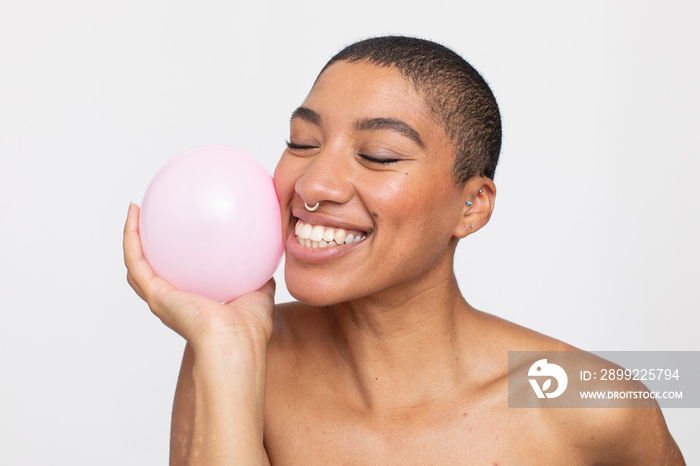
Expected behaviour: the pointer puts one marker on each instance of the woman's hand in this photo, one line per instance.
(220, 399)
(197, 319)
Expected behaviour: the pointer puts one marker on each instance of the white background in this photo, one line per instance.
(593, 241)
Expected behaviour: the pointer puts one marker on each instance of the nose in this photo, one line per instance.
(326, 178)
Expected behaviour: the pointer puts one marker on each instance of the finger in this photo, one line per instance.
(267, 291)
(143, 279)
(139, 271)
(259, 304)
(132, 240)
(134, 286)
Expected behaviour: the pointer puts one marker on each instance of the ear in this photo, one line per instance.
(478, 199)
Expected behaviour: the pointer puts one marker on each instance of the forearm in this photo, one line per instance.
(229, 397)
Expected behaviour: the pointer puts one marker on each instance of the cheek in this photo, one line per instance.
(421, 206)
(389, 196)
(284, 181)
(408, 197)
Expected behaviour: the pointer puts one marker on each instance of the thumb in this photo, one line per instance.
(265, 291)
(262, 299)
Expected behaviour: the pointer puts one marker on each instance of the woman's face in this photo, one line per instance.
(366, 148)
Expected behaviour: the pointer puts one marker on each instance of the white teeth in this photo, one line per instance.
(328, 235)
(306, 231)
(317, 236)
(317, 233)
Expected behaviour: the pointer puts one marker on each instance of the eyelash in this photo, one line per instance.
(379, 161)
(291, 145)
(365, 157)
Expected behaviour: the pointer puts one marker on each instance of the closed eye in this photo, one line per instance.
(291, 145)
(383, 161)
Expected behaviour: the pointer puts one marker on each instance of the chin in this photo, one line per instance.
(314, 292)
(309, 294)
(312, 297)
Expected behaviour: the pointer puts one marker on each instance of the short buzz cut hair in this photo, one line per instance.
(452, 90)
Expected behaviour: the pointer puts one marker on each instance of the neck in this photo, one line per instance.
(403, 347)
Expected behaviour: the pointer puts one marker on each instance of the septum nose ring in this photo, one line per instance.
(311, 208)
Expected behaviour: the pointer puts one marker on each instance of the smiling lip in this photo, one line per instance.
(323, 236)
(305, 253)
(318, 219)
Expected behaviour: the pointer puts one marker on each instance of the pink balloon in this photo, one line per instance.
(211, 224)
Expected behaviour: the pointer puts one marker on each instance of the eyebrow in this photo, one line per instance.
(367, 124)
(307, 115)
(392, 124)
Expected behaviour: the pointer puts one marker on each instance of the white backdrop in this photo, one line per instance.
(593, 241)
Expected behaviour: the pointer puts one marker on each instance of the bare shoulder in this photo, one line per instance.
(617, 431)
(609, 433)
(623, 436)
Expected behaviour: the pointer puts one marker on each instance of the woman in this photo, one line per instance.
(389, 164)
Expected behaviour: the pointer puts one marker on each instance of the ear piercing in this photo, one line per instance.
(311, 209)
(469, 203)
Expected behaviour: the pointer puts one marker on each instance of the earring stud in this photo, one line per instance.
(481, 191)
(469, 203)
